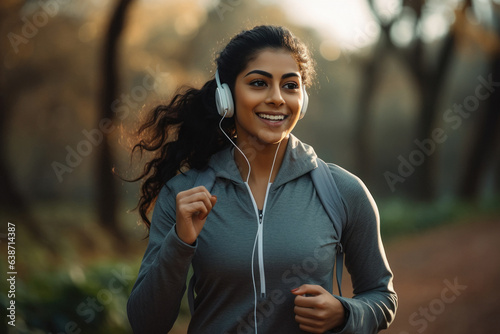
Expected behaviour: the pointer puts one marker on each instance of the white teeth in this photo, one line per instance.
(272, 117)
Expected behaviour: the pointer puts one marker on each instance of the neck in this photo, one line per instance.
(261, 157)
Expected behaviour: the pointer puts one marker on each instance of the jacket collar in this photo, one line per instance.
(299, 159)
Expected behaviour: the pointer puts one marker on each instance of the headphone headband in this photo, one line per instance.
(217, 78)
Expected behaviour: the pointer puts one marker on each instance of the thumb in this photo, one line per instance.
(213, 199)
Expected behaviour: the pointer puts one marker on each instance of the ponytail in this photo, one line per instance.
(182, 135)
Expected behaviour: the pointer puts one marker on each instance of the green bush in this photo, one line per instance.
(400, 217)
(74, 301)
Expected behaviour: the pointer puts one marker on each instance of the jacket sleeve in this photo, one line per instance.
(155, 299)
(374, 304)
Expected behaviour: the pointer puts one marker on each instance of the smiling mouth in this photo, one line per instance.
(269, 117)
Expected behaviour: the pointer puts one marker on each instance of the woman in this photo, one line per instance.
(260, 243)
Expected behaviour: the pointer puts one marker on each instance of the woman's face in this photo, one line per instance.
(268, 98)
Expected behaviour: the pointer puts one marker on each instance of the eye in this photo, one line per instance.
(291, 85)
(258, 83)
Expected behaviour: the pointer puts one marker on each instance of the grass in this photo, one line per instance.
(402, 217)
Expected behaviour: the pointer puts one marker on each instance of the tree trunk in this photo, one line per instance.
(13, 204)
(107, 198)
(361, 139)
(431, 86)
(428, 79)
(486, 139)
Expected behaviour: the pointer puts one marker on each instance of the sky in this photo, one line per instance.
(350, 24)
(344, 25)
(341, 20)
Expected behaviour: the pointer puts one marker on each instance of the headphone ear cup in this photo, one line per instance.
(229, 100)
(305, 103)
(224, 101)
(219, 101)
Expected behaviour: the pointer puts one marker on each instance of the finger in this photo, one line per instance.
(195, 208)
(202, 197)
(183, 195)
(306, 321)
(306, 312)
(311, 329)
(198, 191)
(309, 289)
(194, 191)
(306, 301)
(212, 200)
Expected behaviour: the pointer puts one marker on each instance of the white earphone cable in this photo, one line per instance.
(274, 160)
(259, 236)
(254, 287)
(244, 156)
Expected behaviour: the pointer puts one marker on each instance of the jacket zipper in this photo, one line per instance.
(260, 237)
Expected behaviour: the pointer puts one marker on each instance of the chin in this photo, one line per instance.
(268, 139)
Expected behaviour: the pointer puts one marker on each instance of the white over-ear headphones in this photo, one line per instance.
(305, 102)
(225, 104)
(223, 98)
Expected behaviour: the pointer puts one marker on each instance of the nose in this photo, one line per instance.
(274, 96)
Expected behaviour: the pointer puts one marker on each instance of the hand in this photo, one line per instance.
(192, 209)
(317, 310)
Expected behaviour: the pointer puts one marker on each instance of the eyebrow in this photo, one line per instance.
(269, 75)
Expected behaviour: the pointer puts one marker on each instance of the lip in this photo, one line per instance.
(269, 122)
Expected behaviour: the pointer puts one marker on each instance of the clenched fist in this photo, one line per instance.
(317, 310)
(192, 209)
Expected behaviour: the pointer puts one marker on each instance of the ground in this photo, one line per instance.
(446, 279)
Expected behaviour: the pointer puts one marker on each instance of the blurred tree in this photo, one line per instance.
(12, 201)
(363, 159)
(428, 78)
(107, 198)
(486, 134)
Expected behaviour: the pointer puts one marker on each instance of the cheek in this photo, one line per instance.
(247, 101)
(294, 105)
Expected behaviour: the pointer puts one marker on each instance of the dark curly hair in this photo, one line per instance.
(184, 134)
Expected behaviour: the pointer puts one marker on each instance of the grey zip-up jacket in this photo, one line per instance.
(298, 247)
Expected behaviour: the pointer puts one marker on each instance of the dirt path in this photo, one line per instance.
(447, 280)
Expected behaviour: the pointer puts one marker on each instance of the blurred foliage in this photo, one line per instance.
(91, 300)
(403, 217)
